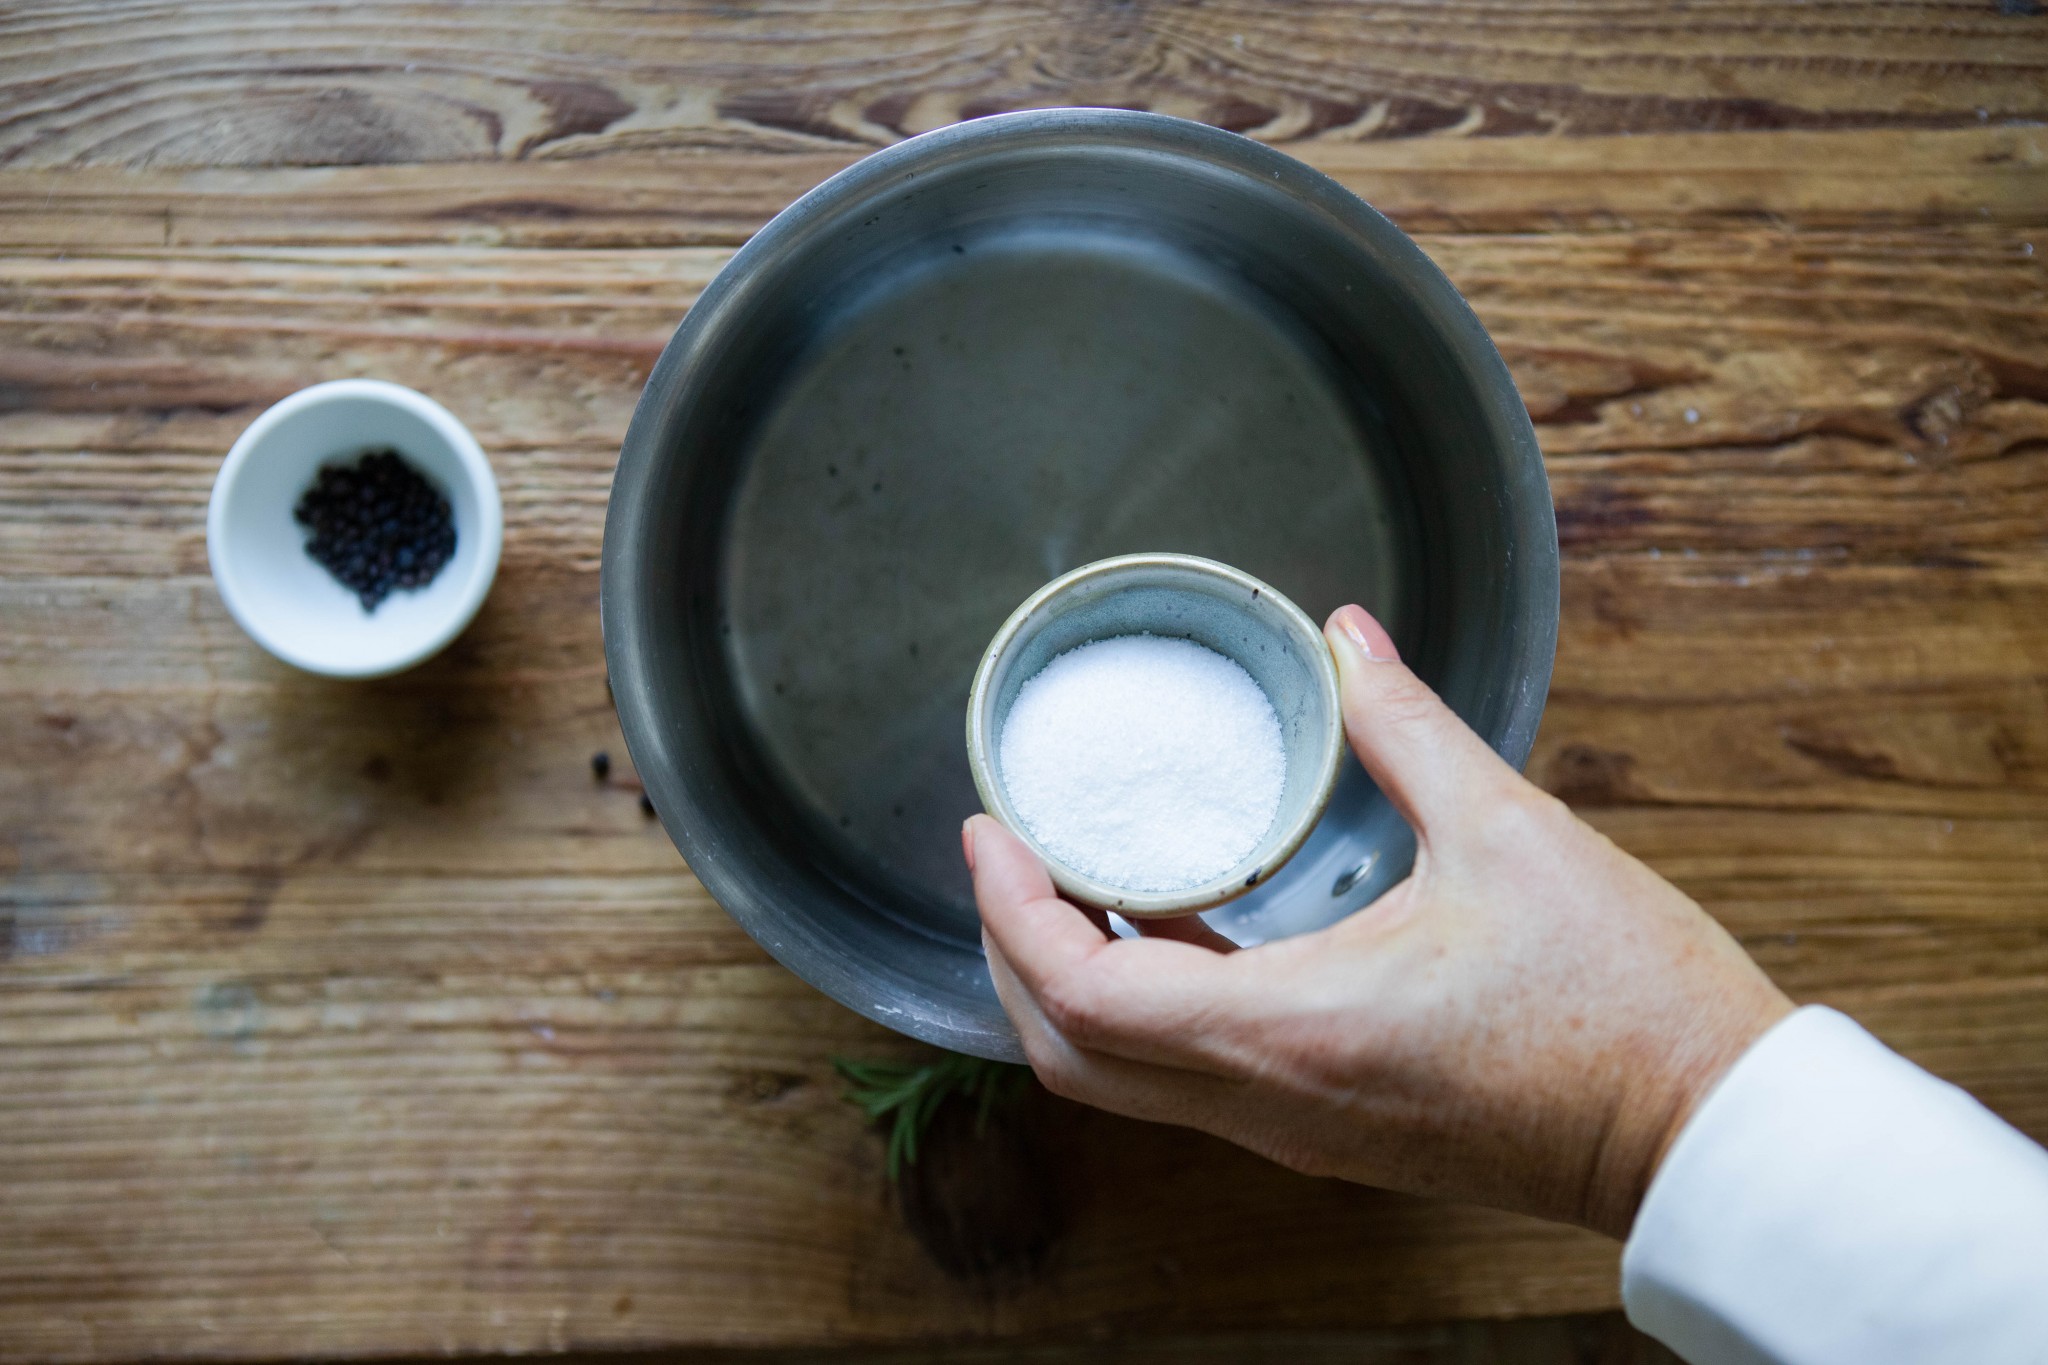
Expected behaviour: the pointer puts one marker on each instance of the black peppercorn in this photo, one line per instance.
(646, 805)
(377, 525)
(600, 765)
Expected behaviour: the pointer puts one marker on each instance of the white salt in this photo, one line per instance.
(1149, 764)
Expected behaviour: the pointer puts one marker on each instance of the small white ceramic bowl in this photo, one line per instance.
(286, 600)
(1189, 598)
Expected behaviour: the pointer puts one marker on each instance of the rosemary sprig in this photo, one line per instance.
(907, 1095)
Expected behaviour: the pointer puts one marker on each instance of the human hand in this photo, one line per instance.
(1526, 1021)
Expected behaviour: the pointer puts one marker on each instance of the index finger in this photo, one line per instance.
(1145, 999)
(1041, 935)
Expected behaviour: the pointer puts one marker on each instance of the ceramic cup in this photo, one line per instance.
(288, 602)
(1189, 598)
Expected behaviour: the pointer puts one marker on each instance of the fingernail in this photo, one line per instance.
(1369, 635)
(967, 841)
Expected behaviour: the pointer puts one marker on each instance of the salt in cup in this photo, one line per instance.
(1181, 597)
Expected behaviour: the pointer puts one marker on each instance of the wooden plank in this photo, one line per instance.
(1605, 1337)
(1994, 174)
(227, 82)
(1852, 368)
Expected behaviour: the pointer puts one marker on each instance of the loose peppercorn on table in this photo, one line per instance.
(354, 1019)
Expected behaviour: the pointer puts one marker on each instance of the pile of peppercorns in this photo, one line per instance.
(377, 525)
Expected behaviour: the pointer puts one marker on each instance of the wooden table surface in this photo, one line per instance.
(348, 1019)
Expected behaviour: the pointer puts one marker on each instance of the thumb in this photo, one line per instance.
(1429, 762)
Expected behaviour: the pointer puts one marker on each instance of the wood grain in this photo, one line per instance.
(1590, 1339)
(230, 82)
(1679, 180)
(357, 1019)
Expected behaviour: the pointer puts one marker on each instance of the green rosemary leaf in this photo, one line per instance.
(906, 1096)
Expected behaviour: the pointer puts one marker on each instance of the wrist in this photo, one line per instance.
(1663, 1097)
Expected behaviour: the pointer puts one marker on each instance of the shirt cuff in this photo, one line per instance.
(1830, 1201)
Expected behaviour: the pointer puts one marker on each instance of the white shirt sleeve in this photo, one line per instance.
(1831, 1202)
